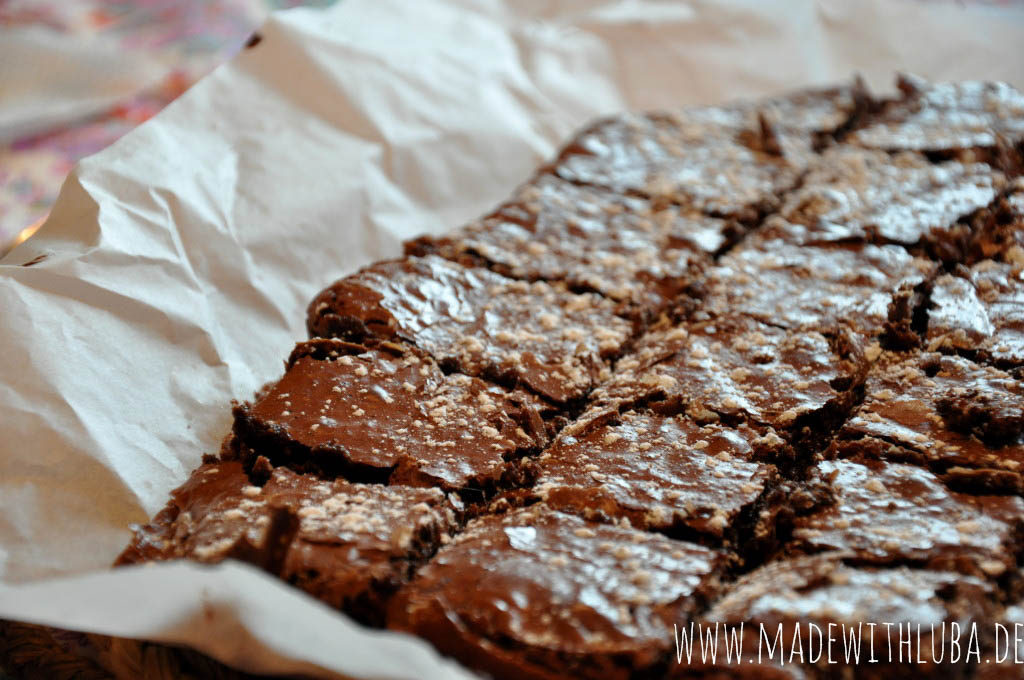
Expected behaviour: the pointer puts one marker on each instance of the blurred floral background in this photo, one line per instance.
(148, 52)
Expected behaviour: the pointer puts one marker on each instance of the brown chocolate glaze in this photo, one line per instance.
(896, 514)
(951, 414)
(736, 369)
(809, 287)
(860, 195)
(969, 119)
(351, 545)
(980, 313)
(625, 248)
(734, 160)
(668, 474)
(821, 589)
(541, 594)
(380, 414)
(699, 158)
(551, 341)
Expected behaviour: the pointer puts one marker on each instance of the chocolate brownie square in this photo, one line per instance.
(389, 413)
(719, 161)
(798, 124)
(623, 247)
(551, 341)
(945, 412)
(969, 119)
(980, 313)
(1000, 232)
(896, 514)
(668, 474)
(862, 195)
(778, 603)
(350, 545)
(856, 285)
(735, 369)
(733, 160)
(542, 594)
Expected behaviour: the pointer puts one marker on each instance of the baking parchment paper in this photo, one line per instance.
(173, 273)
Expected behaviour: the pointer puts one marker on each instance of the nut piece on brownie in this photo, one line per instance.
(626, 248)
(390, 414)
(350, 545)
(668, 474)
(955, 416)
(541, 594)
(783, 598)
(895, 514)
(736, 369)
(549, 340)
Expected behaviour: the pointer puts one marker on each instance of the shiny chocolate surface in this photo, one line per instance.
(895, 514)
(552, 591)
(553, 342)
(661, 473)
(393, 416)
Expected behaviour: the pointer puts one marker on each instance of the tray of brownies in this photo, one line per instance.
(754, 363)
(720, 391)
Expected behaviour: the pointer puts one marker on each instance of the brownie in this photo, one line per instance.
(1005, 652)
(733, 160)
(1008, 669)
(716, 160)
(804, 121)
(896, 514)
(968, 119)
(541, 594)
(736, 369)
(980, 313)
(350, 545)
(789, 595)
(945, 412)
(855, 284)
(862, 195)
(1000, 232)
(551, 341)
(668, 474)
(757, 363)
(623, 247)
(389, 413)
